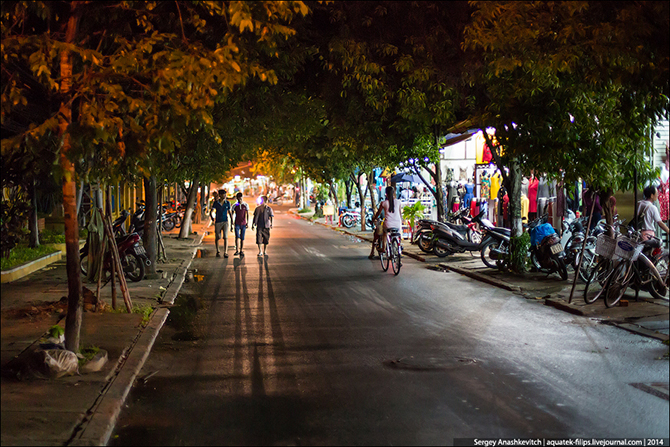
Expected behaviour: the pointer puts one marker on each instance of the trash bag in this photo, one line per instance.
(49, 364)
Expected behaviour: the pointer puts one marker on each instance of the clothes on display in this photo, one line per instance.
(532, 196)
(524, 208)
(524, 186)
(469, 194)
(663, 196)
(496, 180)
(452, 194)
(485, 190)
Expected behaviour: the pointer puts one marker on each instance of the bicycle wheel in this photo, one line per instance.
(395, 256)
(597, 281)
(660, 291)
(588, 264)
(618, 283)
(384, 258)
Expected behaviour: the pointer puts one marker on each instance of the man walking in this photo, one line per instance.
(241, 212)
(263, 216)
(222, 208)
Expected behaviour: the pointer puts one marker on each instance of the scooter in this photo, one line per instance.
(424, 236)
(352, 217)
(451, 239)
(132, 255)
(546, 251)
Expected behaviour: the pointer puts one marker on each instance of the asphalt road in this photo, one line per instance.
(316, 345)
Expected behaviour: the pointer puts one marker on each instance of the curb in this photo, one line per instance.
(482, 278)
(566, 307)
(634, 328)
(100, 426)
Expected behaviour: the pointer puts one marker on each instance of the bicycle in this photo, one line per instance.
(629, 265)
(393, 253)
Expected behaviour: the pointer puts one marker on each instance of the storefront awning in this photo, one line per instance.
(453, 138)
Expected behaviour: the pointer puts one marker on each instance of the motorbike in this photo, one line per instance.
(572, 240)
(546, 251)
(132, 255)
(424, 237)
(450, 238)
(352, 217)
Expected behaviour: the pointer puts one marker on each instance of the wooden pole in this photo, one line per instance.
(116, 266)
(100, 270)
(581, 258)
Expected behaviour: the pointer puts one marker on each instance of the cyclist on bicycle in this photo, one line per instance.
(392, 220)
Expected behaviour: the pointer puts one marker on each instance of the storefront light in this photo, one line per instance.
(426, 159)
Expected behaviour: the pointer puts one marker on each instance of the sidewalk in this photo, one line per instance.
(648, 316)
(81, 410)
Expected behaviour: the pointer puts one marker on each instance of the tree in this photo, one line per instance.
(560, 84)
(144, 70)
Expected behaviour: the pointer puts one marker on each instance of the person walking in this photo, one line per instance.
(263, 216)
(241, 212)
(222, 208)
(648, 214)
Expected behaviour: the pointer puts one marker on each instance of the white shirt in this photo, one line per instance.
(649, 214)
(393, 219)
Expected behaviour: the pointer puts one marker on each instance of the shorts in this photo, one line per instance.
(239, 231)
(263, 236)
(218, 227)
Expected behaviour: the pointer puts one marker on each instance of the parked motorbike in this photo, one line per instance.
(132, 255)
(449, 239)
(572, 240)
(425, 238)
(546, 251)
(352, 217)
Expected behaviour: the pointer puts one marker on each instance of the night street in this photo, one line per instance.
(314, 344)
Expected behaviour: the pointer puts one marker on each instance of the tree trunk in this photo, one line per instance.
(371, 188)
(150, 227)
(74, 299)
(357, 181)
(188, 214)
(347, 185)
(514, 211)
(32, 222)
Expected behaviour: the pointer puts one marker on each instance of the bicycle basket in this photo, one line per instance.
(605, 246)
(627, 248)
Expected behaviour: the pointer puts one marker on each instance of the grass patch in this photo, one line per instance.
(51, 237)
(22, 254)
(88, 354)
(145, 310)
(305, 210)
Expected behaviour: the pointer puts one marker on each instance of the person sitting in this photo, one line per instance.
(648, 214)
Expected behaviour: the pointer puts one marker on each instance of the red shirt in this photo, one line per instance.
(241, 210)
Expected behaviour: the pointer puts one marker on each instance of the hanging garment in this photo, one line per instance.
(524, 186)
(532, 195)
(457, 205)
(485, 191)
(541, 205)
(452, 194)
(524, 208)
(495, 185)
(663, 200)
(474, 209)
(469, 194)
(543, 188)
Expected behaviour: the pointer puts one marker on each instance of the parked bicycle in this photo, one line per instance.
(393, 252)
(627, 261)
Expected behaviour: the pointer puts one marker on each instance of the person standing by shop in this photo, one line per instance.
(263, 216)
(222, 208)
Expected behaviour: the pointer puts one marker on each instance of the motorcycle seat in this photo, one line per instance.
(652, 243)
(463, 229)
